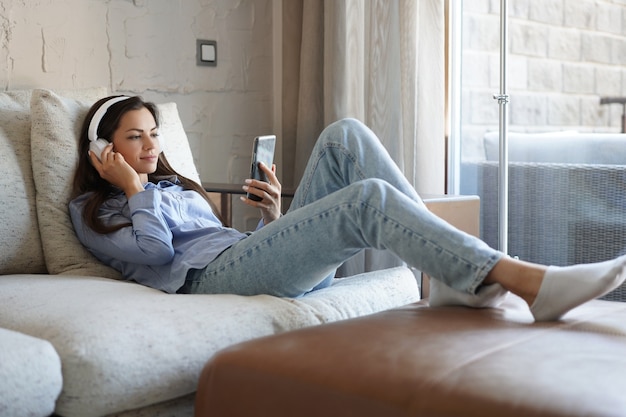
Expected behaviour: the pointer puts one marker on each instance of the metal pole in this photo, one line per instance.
(455, 31)
(503, 168)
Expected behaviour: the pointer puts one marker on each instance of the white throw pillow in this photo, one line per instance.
(56, 122)
(20, 244)
(175, 143)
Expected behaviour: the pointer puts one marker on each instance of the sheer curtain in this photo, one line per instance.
(380, 61)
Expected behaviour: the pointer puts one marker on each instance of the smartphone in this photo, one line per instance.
(262, 151)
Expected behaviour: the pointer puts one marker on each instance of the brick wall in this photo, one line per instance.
(563, 56)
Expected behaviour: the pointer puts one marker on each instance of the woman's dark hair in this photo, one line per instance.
(87, 179)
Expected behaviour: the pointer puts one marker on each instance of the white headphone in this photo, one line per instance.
(97, 144)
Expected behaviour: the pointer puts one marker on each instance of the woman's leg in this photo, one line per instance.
(290, 256)
(347, 151)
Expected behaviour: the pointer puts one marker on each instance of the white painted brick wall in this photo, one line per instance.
(563, 56)
(564, 44)
(544, 75)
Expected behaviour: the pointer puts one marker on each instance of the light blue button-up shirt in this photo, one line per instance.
(173, 230)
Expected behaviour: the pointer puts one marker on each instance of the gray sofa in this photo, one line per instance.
(567, 196)
(77, 341)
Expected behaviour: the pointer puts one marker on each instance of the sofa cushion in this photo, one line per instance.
(565, 147)
(20, 244)
(125, 346)
(30, 375)
(175, 143)
(56, 123)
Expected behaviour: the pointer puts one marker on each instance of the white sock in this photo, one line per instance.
(564, 288)
(487, 296)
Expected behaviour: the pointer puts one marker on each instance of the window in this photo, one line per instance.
(563, 57)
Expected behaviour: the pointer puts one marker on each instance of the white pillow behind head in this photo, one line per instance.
(175, 143)
(56, 122)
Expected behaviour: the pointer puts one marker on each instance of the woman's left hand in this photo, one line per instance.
(269, 193)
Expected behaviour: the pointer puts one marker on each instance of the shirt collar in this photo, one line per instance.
(162, 181)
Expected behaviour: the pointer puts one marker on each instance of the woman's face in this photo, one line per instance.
(137, 139)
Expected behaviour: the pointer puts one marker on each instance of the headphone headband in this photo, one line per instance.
(92, 133)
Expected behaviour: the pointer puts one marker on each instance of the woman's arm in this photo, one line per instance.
(148, 241)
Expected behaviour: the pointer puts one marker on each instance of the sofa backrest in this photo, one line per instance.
(42, 126)
(560, 147)
(20, 243)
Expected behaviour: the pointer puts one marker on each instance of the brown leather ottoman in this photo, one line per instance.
(421, 361)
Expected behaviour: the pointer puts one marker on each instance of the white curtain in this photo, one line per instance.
(380, 61)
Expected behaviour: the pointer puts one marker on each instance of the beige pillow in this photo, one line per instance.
(20, 244)
(56, 123)
(175, 143)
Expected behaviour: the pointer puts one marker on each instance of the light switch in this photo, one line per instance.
(206, 53)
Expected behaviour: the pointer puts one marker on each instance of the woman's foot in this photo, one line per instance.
(564, 288)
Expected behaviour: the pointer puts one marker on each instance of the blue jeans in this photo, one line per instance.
(352, 196)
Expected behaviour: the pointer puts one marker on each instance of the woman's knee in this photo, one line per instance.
(368, 188)
(347, 129)
(347, 123)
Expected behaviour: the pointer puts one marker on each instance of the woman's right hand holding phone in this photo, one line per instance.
(268, 192)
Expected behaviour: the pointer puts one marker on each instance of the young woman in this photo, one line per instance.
(136, 214)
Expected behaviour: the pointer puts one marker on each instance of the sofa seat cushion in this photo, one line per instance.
(124, 346)
(436, 362)
(30, 375)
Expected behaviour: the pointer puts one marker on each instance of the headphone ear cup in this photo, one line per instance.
(97, 146)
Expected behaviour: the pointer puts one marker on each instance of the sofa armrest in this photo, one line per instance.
(30, 375)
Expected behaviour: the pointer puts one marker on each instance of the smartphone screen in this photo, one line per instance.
(262, 151)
